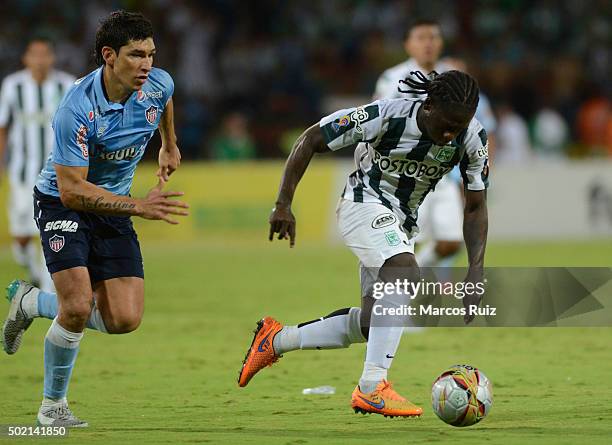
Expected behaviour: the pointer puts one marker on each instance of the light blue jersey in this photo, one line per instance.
(110, 138)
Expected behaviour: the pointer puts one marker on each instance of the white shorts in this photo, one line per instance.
(21, 211)
(372, 232)
(441, 214)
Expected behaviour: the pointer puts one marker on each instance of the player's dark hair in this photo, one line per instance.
(118, 29)
(449, 88)
(38, 38)
(421, 22)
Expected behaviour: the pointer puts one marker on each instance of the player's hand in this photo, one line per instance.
(159, 205)
(169, 160)
(282, 222)
(474, 275)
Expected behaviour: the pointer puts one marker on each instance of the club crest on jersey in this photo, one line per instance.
(56, 243)
(342, 122)
(445, 154)
(151, 114)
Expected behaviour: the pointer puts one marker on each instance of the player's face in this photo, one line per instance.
(424, 43)
(443, 126)
(133, 63)
(39, 57)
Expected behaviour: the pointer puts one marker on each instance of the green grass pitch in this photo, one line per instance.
(174, 380)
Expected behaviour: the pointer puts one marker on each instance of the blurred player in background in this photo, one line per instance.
(83, 206)
(440, 214)
(404, 147)
(28, 100)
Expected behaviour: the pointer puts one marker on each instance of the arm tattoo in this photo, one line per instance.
(99, 203)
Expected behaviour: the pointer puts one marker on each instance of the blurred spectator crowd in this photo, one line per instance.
(249, 74)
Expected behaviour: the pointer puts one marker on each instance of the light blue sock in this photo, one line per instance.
(47, 308)
(61, 349)
(47, 305)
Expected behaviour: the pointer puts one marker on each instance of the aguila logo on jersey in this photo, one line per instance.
(410, 167)
(384, 220)
(56, 243)
(120, 155)
(151, 114)
(62, 225)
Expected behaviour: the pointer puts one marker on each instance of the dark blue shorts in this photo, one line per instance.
(106, 245)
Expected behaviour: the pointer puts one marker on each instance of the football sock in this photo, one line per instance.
(33, 261)
(336, 330)
(383, 340)
(20, 254)
(47, 307)
(426, 256)
(46, 282)
(61, 349)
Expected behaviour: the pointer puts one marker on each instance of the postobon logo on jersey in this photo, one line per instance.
(408, 167)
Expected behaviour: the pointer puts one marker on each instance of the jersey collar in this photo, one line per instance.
(104, 105)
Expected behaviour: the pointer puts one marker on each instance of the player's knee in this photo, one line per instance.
(75, 312)
(447, 248)
(123, 324)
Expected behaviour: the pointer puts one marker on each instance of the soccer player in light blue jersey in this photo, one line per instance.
(82, 205)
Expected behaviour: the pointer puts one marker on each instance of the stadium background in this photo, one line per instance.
(249, 77)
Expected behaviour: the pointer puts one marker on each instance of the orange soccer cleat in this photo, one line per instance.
(383, 400)
(261, 352)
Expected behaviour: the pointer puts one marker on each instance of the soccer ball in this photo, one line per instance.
(462, 396)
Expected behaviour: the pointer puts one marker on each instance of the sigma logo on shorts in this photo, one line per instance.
(384, 220)
(56, 243)
(392, 238)
(62, 225)
(151, 114)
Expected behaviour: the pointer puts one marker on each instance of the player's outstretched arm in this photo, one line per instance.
(78, 194)
(475, 226)
(282, 220)
(169, 154)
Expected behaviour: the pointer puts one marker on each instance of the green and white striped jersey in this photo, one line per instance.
(396, 166)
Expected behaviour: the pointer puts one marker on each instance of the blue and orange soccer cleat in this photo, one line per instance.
(261, 352)
(383, 400)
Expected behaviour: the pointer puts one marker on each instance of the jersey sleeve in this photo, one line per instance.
(71, 132)
(474, 165)
(349, 126)
(167, 85)
(5, 102)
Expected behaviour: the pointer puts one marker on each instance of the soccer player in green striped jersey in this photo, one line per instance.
(403, 148)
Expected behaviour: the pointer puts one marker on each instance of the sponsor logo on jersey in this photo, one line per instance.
(342, 122)
(484, 151)
(62, 225)
(410, 167)
(81, 137)
(151, 114)
(384, 220)
(359, 115)
(142, 95)
(101, 131)
(120, 155)
(445, 154)
(56, 243)
(90, 116)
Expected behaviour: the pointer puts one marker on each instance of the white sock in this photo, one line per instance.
(33, 258)
(383, 340)
(20, 254)
(46, 402)
(426, 256)
(336, 330)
